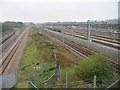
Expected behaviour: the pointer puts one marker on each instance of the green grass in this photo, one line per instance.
(95, 65)
(37, 53)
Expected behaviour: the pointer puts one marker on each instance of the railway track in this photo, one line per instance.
(88, 52)
(83, 51)
(4, 46)
(104, 41)
(78, 47)
(110, 39)
(8, 40)
(116, 66)
(98, 33)
(6, 37)
(10, 53)
(99, 37)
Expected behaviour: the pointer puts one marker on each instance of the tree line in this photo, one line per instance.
(10, 25)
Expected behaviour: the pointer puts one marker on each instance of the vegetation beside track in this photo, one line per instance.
(37, 54)
(95, 65)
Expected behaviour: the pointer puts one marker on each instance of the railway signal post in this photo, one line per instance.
(88, 31)
(62, 38)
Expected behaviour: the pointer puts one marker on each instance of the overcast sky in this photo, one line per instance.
(57, 10)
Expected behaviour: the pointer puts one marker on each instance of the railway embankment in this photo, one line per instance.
(37, 58)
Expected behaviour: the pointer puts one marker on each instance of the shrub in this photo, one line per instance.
(94, 65)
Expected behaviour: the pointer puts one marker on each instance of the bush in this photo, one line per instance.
(94, 65)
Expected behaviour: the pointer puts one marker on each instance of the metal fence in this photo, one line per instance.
(31, 85)
(49, 83)
(47, 78)
(65, 82)
(113, 85)
(42, 81)
(97, 47)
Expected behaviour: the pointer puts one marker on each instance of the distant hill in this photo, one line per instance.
(109, 21)
(113, 21)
